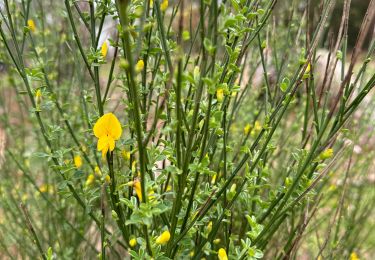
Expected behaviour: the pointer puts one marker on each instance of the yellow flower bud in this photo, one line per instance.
(126, 155)
(209, 227)
(31, 25)
(38, 93)
(134, 166)
(217, 241)
(326, 154)
(233, 188)
(104, 49)
(90, 180)
(139, 66)
(97, 171)
(354, 256)
(43, 188)
(213, 180)
(133, 242)
(163, 238)
(138, 189)
(78, 161)
(222, 254)
(220, 95)
(246, 129)
(308, 68)
(164, 5)
(257, 126)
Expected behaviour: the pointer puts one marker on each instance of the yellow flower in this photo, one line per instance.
(257, 128)
(209, 227)
(213, 180)
(151, 195)
(90, 180)
(44, 188)
(354, 256)
(222, 254)
(38, 96)
(164, 5)
(126, 155)
(308, 68)
(163, 238)
(247, 129)
(107, 129)
(104, 49)
(77, 161)
(133, 242)
(31, 25)
(38, 93)
(326, 154)
(233, 188)
(138, 189)
(97, 171)
(134, 166)
(107, 179)
(139, 66)
(220, 95)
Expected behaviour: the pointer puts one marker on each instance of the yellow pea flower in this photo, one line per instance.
(126, 155)
(97, 171)
(107, 179)
(104, 49)
(163, 238)
(134, 166)
(222, 254)
(247, 129)
(43, 188)
(78, 161)
(326, 154)
(220, 95)
(107, 129)
(308, 68)
(257, 128)
(133, 242)
(354, 256)
(90, 179)
(138, 189)
(213, 180)
(164, 5)
(151, 195)
(38, 96)
(31, 25)
(209, 227)
(139, 66)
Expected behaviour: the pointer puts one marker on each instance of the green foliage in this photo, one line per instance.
(244, 128)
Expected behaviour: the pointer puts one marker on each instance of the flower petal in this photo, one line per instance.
(102, 143)
(100, 127)
(104, 152)
(108, 124)
(111, 143)
(114, 126)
